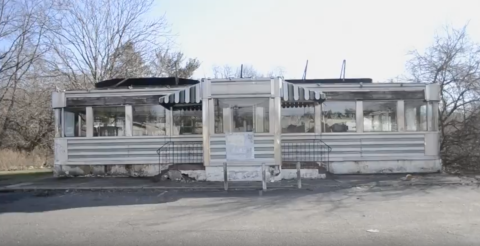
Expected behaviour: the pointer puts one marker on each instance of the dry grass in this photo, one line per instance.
(15, 160)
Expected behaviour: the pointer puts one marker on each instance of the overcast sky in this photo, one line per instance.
(373, 36)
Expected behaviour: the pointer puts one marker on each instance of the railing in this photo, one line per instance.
(306, 150)
(180, 153)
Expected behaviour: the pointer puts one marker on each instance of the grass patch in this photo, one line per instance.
(23, 176)
(11, 160)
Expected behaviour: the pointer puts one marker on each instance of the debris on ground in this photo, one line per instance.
(409, 177)
(373, 230)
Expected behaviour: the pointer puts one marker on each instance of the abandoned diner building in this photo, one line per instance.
(141, 127)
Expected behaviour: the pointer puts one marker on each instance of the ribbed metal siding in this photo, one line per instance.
(124, 150)
(264, 152)
(362, 146)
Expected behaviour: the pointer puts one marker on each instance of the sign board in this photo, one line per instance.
(240, 146)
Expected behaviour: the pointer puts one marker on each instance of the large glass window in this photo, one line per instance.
(149, 120)
(298, 118)
(415, 115)
(339, 116)
(109, 121)
(75, 122)
(242, 115)
(380, 116)
(187, 121)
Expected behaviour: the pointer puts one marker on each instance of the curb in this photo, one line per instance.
(243, 188)
(132, 188)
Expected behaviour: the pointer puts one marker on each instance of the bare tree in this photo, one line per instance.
(22, 26)
(167, 63)
(84, 35)
(453, 61)
(129, 63)
(245, 71)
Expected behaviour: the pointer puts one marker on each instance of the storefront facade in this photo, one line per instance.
(331, 126)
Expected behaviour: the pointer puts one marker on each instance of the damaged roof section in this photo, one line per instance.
(144, 83)
(330, 81)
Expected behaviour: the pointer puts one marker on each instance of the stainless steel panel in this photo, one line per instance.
(58, 100)
(120, 150)
(361, 146)
(432, 92)
(235, 89)
(264, 150)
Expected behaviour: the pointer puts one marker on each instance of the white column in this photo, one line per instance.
(79, 127)
(207, 107)
(259, 119)
(63, 122)
(401, 116)
(169, 122)
(318, 117)
(434, 118)
(277, 145)
(58, 124)
(89, 121)
(359, 113)
(128, 120)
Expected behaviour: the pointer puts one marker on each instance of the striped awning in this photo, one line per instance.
(292, 92)
(190, 94)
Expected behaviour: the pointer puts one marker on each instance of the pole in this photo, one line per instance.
(264, 177)
(225, 176)
(299, 179)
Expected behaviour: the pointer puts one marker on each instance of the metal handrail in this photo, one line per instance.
(164, 145)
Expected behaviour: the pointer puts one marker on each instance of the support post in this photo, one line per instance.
(299, 178)
(128, 120)
(225, 176)
(89, 121)
(63, 123)
(264, 177)
(359, 117)
(58, 124)
(400, 115)
(318, 118)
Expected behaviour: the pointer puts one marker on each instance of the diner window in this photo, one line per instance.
(339, 116)
(75, 122)
(380, 116)
(149, 120)
(415, 115)
(109, 121)
(298, 118)
(242, 115)
(187, 121)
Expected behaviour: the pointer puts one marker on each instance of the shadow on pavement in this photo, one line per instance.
(350, 188)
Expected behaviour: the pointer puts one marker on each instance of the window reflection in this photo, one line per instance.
(415, 115)
(149, 120)
(75, 122)
(109, 121)
(339, 116)
(379, 116)
(187, 121)
(242, 115)
(298, 118)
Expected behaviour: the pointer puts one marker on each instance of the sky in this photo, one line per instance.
(373, 36)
